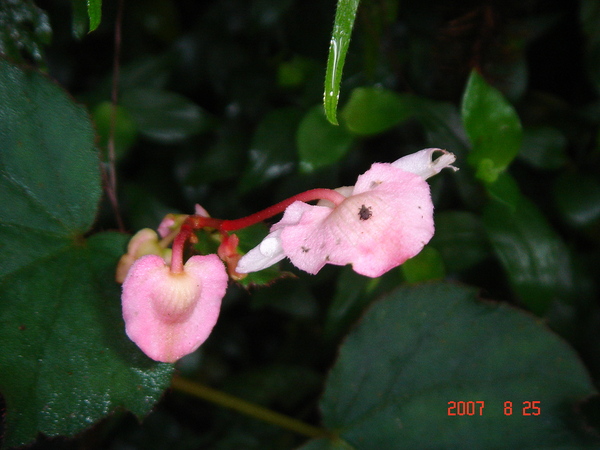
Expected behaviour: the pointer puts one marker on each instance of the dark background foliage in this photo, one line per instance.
(213, 94)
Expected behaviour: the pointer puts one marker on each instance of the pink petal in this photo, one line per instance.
(170, 315)
(387, 220)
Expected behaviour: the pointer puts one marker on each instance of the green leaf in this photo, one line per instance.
(420, 348)
(164, 116)
(442, 124)
(24, 30)
(94, 9)
(66, 361)
(533, 255)
(327, 444)
(578, 199)
(348, 303)
(428, 265)
(345, 15)
(461, 239)
(320, 144)
(544, 148)
(81, 21)
(125, 129)
(374, 110)
(86, 16)
(493, 127)
(270, 156)
(589, 16)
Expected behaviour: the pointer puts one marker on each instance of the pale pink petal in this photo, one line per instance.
(170, 315)
(166, 225)
(423, 164)
(387, 220)
(200, 211)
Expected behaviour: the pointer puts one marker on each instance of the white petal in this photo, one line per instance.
(421, 163)
(264, 255)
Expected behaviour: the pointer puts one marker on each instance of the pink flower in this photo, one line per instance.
(386, 218)
(169, 315)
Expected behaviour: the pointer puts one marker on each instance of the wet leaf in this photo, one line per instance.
(66, 362)
(345, 15)
(373, 110)
(320, 143)
(421, 348)
(493, 127)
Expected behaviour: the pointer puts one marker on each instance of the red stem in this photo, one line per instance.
(314, 194)
(196, 222)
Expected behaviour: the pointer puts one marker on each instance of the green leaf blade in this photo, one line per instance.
(345, 16)
(66, 361)
(70, 361)
(41, 128)
(164, 116)
(320, 143)
(493, 127)
(419, 348)
(372, 110)
(94, 8)
(534, 256)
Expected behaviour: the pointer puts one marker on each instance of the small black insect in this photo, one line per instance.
(365, 213)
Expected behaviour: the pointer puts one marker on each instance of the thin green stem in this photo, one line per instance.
(247, 408)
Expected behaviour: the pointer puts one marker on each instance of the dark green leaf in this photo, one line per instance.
(327, 444)
(420, 348)
(533, 255)
(66, 360)
(578, 199)
(444, 129)
(271, 152)
(320, 143)
(47, 145)
(295, 72)
(125, 131)
(544, 148)
(94, 13)
(345, 15)
(373, 110)
(461, 240)
(426, 266)
(589, 15)
(164, 116)
(288, 296)
(24, 30)
(348, 303)
(493, 127)
(505, 190)
(81, 20)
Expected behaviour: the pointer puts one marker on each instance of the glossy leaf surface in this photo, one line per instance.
(421, 348)
(320, 143)
(372, 110)
(533, 255)
(493, 127)
(345, 15)
(66, 361)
